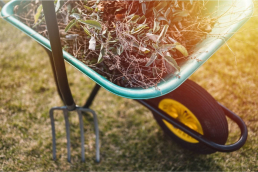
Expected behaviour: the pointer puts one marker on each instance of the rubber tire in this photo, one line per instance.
(207, 111)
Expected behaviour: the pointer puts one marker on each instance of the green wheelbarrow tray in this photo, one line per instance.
(227, 25)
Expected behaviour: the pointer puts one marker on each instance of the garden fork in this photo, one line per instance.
(58, 67)
(67, 127)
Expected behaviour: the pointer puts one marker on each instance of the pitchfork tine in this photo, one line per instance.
(81, 109)
(97, 135)
(51, 111)
(67, 127)
(82, 135)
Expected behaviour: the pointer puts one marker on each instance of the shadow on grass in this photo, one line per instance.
(130, 147)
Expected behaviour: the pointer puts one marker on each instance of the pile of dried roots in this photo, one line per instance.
(131, 43)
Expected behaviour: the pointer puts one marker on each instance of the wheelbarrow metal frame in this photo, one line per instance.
(222, 148)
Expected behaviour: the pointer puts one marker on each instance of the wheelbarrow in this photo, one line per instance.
(183, 109)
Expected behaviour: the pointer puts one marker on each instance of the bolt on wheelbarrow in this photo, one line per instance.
(184, 110)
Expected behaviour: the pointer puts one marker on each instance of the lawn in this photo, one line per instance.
(130, 137)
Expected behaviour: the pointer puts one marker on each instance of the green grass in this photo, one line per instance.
(130, 137)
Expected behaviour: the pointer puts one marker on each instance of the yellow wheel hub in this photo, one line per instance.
(182, 114)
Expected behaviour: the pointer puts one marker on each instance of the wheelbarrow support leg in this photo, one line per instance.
(67, 127)
(92, 96)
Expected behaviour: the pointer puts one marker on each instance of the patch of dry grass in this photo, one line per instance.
(130, 137)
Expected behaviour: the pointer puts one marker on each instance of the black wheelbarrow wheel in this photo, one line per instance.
(196, 108)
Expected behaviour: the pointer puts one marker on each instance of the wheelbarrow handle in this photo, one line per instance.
(57, 53)
(198, 136)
